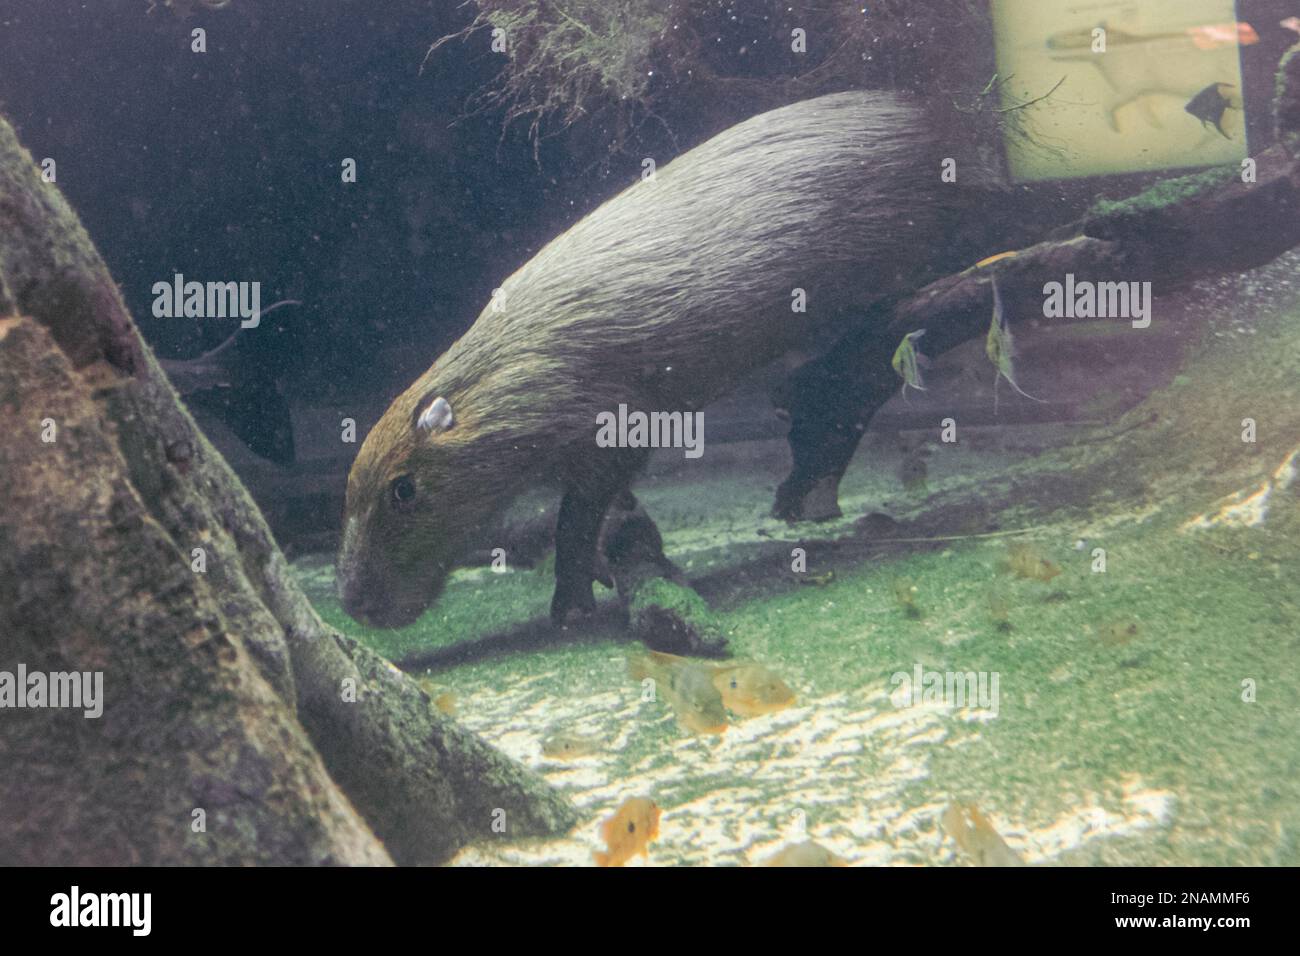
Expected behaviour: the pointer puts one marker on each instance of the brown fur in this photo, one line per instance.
(663, 298)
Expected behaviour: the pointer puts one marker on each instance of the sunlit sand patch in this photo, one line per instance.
(1245, 508)
(840, 770)
(733, 799)
(1143, 808)
(976, 715)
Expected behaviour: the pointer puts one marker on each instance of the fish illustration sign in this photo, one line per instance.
(1133, 87)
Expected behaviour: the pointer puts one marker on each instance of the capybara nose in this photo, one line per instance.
(355, 608)
(374, 606)
(353, 598)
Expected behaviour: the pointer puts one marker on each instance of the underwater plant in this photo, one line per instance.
(563, 62)
(633, 61)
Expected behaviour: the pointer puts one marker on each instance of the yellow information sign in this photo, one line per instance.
(1134, 86)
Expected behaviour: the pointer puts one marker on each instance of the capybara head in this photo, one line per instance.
(406, 517)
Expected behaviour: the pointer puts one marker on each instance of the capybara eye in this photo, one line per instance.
(403, 489)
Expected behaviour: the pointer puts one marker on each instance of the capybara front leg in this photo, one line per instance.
(587, 497)
(576, 531)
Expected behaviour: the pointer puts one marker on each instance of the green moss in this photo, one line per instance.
(1166, 193)
(663, 595)
(670, 616)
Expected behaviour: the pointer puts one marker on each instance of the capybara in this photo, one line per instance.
(661, 299)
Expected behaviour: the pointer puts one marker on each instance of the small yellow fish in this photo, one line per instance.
(443, 700)
(912, 472)
(1026, 561)
(629, 831)
(688, 687)
(751, 690)
(905, 591)
(564, 746)
(1211, 36)
(907, 361)
(806, 853)
(1000, 611)
(975, 835)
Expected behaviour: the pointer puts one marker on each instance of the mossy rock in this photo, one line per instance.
(673, 618)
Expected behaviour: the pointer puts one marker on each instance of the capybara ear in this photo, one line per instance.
(436, 416)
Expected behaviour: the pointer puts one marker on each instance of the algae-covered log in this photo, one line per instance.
(210, 676)
(1171, 234)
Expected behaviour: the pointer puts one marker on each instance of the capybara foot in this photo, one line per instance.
(808, 500)
(572, 604)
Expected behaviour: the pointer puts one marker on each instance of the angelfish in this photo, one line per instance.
(1001, 348)
(1210, 104)
(907, 361)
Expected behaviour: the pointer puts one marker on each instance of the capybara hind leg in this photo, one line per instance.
(829, 402)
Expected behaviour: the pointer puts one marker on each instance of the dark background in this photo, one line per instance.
(227, 165)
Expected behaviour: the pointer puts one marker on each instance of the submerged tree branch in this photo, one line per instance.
(1172, 234)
